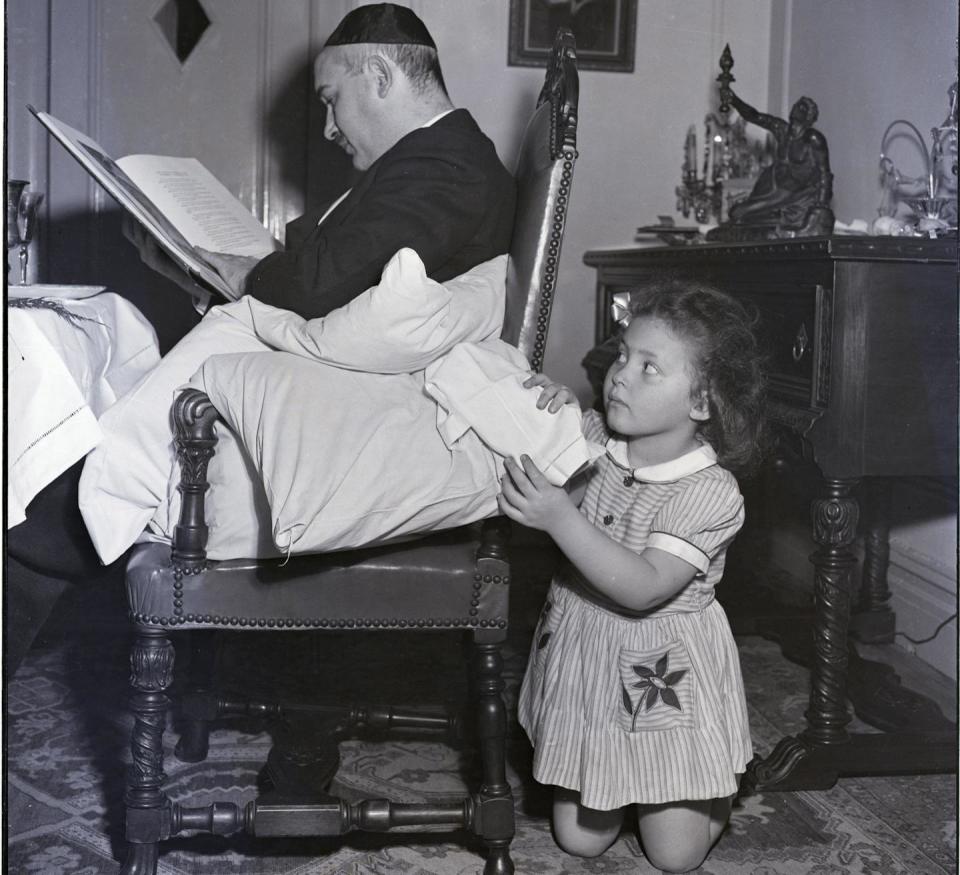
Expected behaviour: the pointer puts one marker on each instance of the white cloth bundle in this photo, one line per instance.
(68, 360)
(261, 498)
(480, 387)
(331, 439)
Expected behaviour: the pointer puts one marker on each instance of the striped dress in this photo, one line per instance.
(649, 707)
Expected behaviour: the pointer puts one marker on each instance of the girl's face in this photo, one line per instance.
(648, 391)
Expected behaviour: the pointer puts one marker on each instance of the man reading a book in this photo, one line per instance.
(431, 180)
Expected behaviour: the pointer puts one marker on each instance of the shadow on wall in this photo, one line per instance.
(522, 109)
(308, 163)
(83, 249)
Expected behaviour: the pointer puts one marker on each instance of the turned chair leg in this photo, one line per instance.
(496, 815)
(141, 860)
(147, 806)
(199, 703)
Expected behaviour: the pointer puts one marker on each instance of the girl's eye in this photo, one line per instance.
(650, 368)
(621, 356)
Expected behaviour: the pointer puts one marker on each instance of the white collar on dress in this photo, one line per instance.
(664, 472)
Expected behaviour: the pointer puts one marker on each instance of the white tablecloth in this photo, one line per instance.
(62, 374)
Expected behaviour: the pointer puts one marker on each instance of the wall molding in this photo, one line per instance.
(923, 589)
(75, 71)
(936, 487)
(920, 608)
(98, 197)
(27, 143)
(261, 165)
(932, 571)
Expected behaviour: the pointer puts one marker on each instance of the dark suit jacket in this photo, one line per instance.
(440, 190)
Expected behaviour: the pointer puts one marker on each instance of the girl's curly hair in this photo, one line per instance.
(727, 358)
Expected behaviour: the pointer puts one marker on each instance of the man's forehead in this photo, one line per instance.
(329, 67)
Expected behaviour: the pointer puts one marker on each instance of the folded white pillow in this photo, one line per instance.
(399, 326)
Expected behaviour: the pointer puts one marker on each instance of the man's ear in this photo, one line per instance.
(381, 73)
(700, 406)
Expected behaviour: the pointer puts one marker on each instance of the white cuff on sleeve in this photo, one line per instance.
(680, 548)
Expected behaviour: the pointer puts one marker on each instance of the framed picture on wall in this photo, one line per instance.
(605, 31)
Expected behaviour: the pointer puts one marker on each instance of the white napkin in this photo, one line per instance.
(50, 424)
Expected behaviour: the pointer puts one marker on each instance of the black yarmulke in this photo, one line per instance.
(381, 23)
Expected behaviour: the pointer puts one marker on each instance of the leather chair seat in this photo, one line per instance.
(436, 582)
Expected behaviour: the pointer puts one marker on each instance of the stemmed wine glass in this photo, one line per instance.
(27, 215)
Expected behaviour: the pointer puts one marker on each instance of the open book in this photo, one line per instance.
(179, 201)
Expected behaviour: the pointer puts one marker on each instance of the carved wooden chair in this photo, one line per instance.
(452, 580)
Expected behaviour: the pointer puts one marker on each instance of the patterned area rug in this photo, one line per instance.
(68, 734)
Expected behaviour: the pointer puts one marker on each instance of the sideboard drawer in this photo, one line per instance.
(860, 335)
(794, 330)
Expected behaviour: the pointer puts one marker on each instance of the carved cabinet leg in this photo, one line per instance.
(873, 622)
(834, 515)
(807, 760)
(147, 806)
(494, 819)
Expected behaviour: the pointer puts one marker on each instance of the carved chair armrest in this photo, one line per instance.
(193, 420)
(495, 535)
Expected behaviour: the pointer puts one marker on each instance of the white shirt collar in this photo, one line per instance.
(334, 205)
(437, 118)
(664, 472)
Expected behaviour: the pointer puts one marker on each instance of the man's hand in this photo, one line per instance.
(529, 498)
(554, 394)
(233, 268)
(157, 259)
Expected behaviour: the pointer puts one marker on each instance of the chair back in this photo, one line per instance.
(544, 172)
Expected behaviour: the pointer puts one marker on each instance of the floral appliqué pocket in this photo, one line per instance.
(657, 689)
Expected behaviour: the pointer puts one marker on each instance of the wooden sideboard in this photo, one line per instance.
(862, 340)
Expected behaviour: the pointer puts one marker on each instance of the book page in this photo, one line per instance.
(198, 204)
(94, 159)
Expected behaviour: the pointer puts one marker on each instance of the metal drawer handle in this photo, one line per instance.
(800, 342)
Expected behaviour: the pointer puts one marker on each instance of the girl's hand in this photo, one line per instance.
(527, 497)
(554, 394)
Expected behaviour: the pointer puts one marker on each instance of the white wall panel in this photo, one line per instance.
(27, 65)
(866, 63)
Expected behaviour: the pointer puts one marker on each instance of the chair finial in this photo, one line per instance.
(561, 88)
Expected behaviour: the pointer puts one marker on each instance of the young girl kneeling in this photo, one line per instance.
(633, 693)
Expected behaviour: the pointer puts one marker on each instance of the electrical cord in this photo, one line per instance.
(936, 631)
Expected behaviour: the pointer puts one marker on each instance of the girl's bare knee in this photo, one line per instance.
(675, 859)
(676, 837)
(579, 844)
(582, 831)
